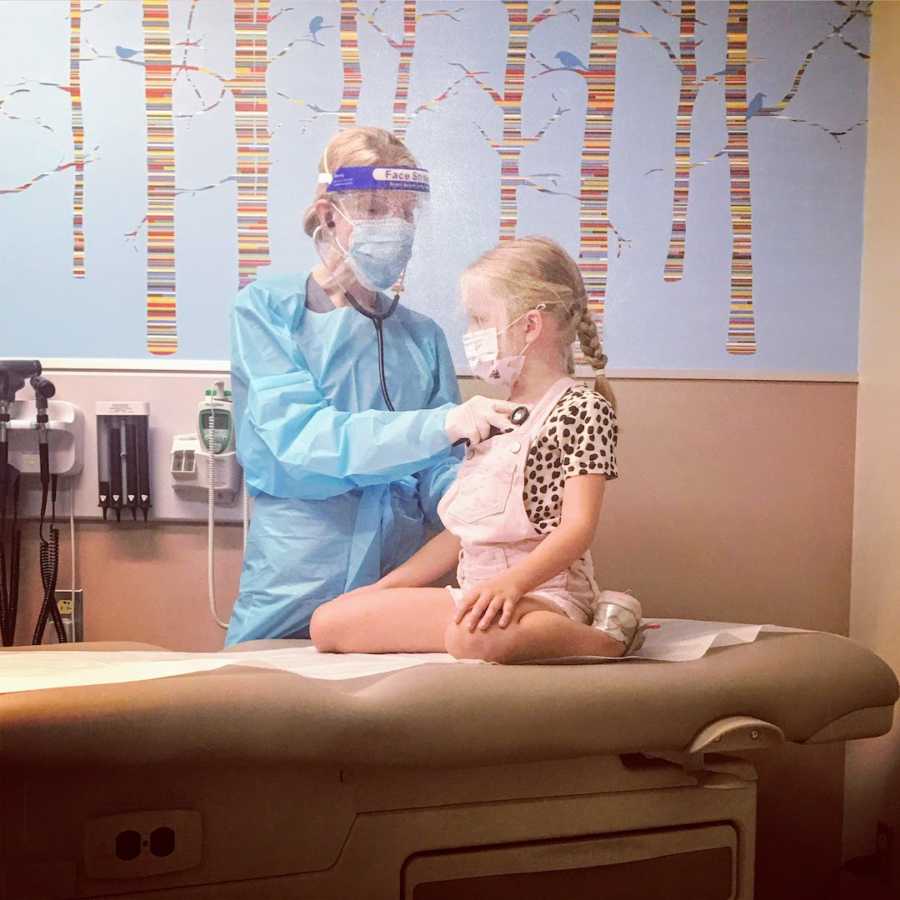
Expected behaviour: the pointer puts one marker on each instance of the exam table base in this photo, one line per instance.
(632, 827)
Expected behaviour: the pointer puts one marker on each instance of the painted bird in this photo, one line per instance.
(126, 52)
(755, 105)
(569, 60)
(317, 24)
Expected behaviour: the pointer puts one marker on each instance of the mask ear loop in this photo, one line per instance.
(322, 237)
(539, 308)
(344, 250)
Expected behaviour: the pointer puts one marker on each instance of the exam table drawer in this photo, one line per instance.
(678, 864)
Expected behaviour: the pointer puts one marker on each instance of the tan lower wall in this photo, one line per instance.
(734, 502)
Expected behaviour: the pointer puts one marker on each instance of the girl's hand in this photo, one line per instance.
(496, 596)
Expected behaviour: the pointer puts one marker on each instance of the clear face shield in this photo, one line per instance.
(377, 212)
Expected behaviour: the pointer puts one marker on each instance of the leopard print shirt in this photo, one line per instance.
(578, 438)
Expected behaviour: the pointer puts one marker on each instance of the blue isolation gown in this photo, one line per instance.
(344, 489)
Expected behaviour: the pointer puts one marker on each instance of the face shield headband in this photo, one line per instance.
(384, 206)
(375, 178)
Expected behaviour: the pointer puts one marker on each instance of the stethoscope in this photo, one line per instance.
(378, 321)
(520, 413)
(519, 417)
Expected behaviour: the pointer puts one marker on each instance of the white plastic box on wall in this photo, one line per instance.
(65, 438)
(123, 459)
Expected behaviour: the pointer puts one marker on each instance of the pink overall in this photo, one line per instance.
(485, 508)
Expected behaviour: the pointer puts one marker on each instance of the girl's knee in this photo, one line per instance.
(495, 645)
(324, 628)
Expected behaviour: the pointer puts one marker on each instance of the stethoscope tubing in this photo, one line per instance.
(378, 322)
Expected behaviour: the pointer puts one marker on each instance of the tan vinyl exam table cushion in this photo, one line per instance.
(804, 684)
(430, 783)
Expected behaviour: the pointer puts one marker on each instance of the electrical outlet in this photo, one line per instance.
(143, 843)
(71, 610)
(884, 851)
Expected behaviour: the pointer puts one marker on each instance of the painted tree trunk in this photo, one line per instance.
(404, 70)
(251, 125)
(687, 96)
(593, 252)
(741, 325)
(350, 61)
(162, 336)
(78, 268)
(510, 149)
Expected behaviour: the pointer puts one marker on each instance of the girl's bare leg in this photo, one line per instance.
(391, 620)
(540, 631)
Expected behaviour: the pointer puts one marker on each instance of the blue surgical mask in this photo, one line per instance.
(379, 250)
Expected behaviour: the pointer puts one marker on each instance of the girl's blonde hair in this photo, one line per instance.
(532, 271)
(357, 147)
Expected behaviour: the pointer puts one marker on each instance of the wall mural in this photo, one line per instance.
(533, 117)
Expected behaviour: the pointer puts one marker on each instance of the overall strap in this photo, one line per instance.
(540, 412)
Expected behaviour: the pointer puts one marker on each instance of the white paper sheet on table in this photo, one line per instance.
(36, 669)
(676, 640)
(682, 640)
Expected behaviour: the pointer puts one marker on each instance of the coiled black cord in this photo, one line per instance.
(49, 559)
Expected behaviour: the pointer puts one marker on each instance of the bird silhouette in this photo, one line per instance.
(317, 24)
(125, 52)
(755, 106)
(569, 60)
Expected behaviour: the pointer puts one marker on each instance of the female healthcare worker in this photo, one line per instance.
(346, 404)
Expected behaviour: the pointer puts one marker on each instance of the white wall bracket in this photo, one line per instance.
(65, 438)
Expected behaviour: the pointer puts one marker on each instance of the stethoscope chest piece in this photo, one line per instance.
(520, 415)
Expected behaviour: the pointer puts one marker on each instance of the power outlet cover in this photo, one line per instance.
(71, 611)
(143, 843)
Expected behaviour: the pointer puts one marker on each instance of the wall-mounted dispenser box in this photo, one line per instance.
(123, 457)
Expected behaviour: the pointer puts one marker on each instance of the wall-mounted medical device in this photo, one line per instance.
(42, 437)
(123, 457)
(204, 466)
(206, 458)
(33, 428)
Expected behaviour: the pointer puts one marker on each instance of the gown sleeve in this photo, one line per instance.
(291, 442)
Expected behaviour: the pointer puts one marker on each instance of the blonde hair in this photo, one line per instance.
(357, 147)
(532, 271)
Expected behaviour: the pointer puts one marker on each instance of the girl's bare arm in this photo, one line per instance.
(439, 556)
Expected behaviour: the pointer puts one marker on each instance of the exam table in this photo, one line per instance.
(454, 781)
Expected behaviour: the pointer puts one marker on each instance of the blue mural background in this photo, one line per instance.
(806, 177)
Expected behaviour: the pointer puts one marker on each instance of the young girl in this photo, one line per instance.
(522, 513)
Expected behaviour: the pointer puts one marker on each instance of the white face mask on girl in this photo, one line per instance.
(483, 355)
